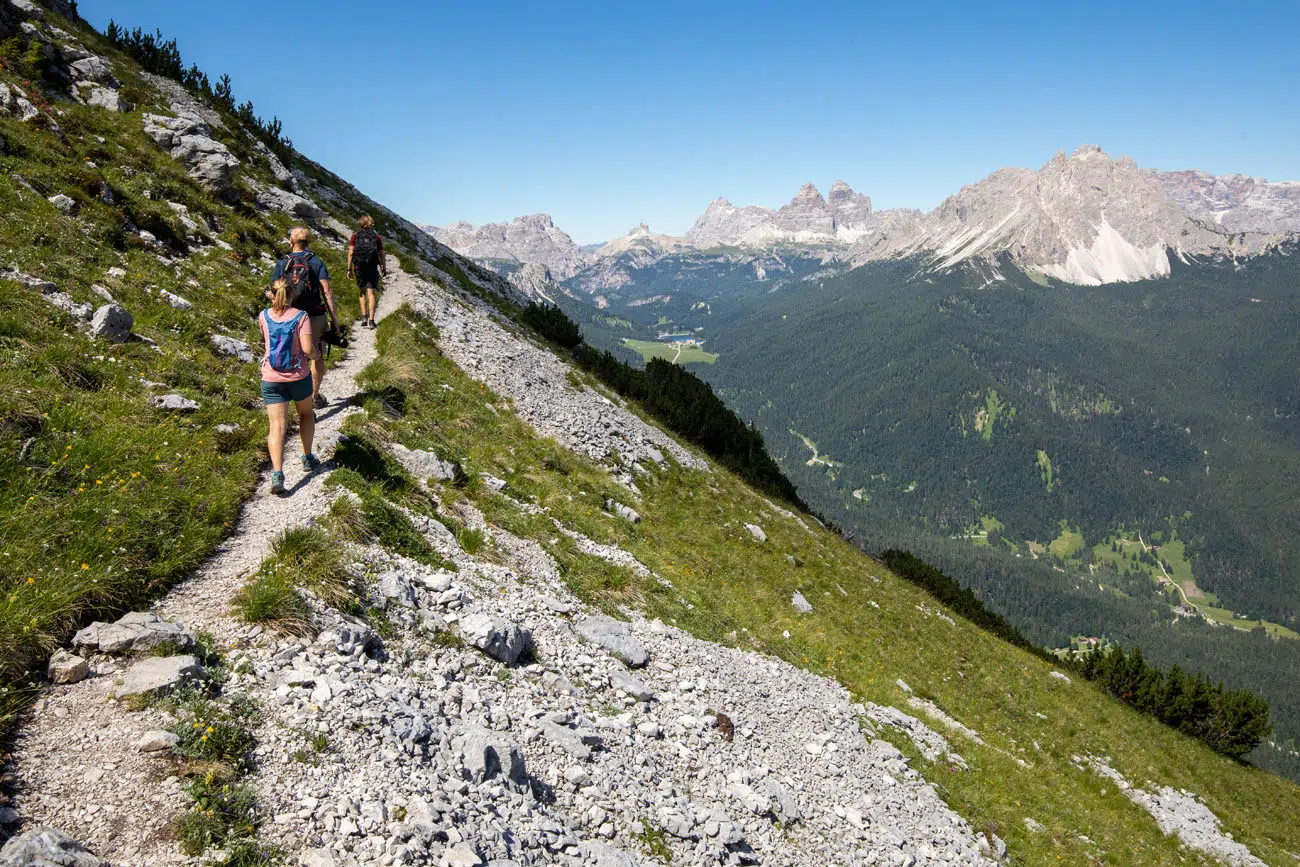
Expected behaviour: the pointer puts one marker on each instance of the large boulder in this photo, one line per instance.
(616, 637)
(159, 674)
(47, 847)
(498, 638)
(113, 323)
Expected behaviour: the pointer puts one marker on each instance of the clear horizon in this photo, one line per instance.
(607, 117)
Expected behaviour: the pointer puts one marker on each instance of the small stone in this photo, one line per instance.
(155, 741)
(461, 855)
(159, 674)
(113, 323)
(577, 775)
(802, 605)
(625, 512)
(757, 532)
(616, 637)
(174, 300)
(47, 847)
(1059, 676)
(232, 347)
(423, 464)
(65, 204)
(67, 667)
(628, 684)
(485, 755)
(316, 858)
(498, 638)
(174, 402)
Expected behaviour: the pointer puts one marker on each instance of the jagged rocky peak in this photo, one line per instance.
(1084, 218)
(806, 218)
(530, 238)
(722, 223)
(1238, 203)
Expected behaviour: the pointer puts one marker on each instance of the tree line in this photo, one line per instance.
(163, 57)
(1231, 722)
(675, 397)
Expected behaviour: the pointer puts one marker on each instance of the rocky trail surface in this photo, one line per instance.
(498, 721)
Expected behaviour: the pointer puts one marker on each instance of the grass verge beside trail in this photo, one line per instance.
(729, 588)
(105, 502)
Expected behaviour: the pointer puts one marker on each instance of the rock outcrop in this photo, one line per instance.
(188, 139)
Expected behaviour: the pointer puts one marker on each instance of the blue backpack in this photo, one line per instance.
(284, 352)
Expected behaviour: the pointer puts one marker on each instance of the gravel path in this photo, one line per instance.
(75, 761)
(423, 748)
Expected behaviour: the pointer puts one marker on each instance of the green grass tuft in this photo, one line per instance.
(272, 600)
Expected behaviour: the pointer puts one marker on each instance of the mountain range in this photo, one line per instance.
(1085, 219)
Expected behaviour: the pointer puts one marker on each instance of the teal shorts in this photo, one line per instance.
(286, 392)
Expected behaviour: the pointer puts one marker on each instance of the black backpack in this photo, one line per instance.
(365, 249)
(304, 288)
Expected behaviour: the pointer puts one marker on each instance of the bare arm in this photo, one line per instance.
(329, 301)
(350, 248)
(304, 337)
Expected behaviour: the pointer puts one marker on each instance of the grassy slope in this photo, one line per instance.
(731, 589)
(103, 501)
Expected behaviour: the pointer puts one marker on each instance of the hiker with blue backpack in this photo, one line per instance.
(287, 377)
(309, 290)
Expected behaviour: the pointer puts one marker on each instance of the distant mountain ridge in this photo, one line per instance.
(1086, 218)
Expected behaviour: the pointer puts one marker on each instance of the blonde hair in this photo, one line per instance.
(280, 300)
(300, 235)
(366, 222)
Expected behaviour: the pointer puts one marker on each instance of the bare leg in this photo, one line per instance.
(278, 415)
(370, 295)
(306, 424)
(317, 372)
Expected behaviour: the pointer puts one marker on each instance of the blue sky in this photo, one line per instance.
(606, 115)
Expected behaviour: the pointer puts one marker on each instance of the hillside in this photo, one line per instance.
(511, 621)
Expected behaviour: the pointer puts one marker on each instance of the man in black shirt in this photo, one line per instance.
(310, 279)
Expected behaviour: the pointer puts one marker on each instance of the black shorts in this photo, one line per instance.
(367, 276)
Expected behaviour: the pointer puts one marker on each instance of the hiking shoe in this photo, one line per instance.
(277, 482)
(373, 324)
(310, 462)
(320, 402)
